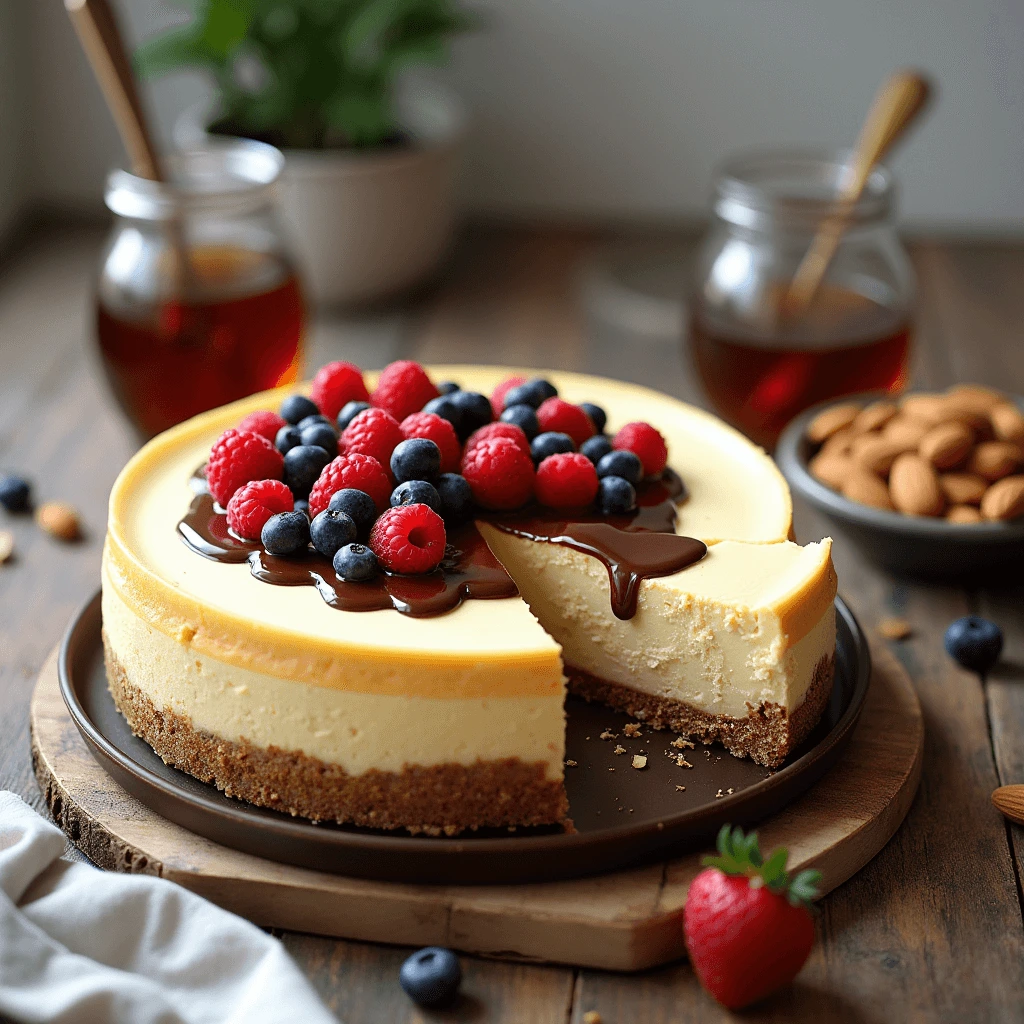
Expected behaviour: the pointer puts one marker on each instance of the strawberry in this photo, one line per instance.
(748, 924)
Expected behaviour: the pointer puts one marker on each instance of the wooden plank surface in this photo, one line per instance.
(931, 930)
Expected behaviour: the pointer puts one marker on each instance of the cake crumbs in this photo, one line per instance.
(639, 761)
(611, 769)
(682, 743)
(719, 795)
(682, 762)
(631, 729)
(619, 749)
(730, 791)
(608, 735)
(570, 763)
(895, 628)
(680, 789)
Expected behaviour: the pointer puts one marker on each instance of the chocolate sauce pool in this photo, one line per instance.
(633, 547)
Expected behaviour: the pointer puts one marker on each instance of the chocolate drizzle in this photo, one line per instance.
(633, 547)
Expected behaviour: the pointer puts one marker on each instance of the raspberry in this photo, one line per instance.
(498, 394)
(403, 388)
(254, 503)
(646, 443)
(499, 473)
(237, 457)
(568, 480)
(565, 418)
(360, 472)
(408, 539)
(264, 422)
(373, 432)
(337, 384)
(440, 431)
(509, 430)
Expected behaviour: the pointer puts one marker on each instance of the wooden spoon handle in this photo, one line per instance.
(1009, 801)
(101, 39)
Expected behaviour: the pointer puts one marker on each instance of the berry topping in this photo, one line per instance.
(647, 443)
(335, 384)
(615, 496)
(331, 530)
(254, 503)
(416, 492)
(322, 435)
(287, 438)
(264, 422)
(456, 497)
(523, 416)
(303, 466)
(474, 411)
(431, 977)
(566, 418)
(500, 474)
(499, 393)
(403, 388)
(499, 429)
(408, 539)
(416, 458)
(621, 463)
(975, 643)
(373, 432)
(349, 412)
(361, 472)
(302, 505)
(597, 415)
(551, 443)
(596, 447)
(444, 407)
(297, 407)
(357, 505)
(446, 387)
(533, 392)
(747, 923)
(435, 428)
(237, 457)
(568, 480)
(14, 492)
(309, 421)
(355, 563)
(286, 533)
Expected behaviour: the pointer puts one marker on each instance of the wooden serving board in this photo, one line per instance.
(626, 921)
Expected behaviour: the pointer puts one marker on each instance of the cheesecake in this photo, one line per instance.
(436, 704)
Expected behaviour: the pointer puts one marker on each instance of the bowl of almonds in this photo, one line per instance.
(930, 484)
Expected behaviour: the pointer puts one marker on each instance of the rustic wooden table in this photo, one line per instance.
(930, 930)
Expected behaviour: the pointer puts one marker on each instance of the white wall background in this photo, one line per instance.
(619, 109)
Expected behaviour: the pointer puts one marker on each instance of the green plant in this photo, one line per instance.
(306, 74)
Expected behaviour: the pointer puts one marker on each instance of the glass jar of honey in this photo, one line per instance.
(760, 363)
(197, 301)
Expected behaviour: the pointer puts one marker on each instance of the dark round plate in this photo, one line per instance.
(622, 816)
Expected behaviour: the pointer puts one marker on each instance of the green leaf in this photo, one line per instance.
(175, 49)
(364, 119)
(804, 887)
(773, 871)
(226, 25)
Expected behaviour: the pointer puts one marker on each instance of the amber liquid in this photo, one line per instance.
(846, 344)
(239, 334)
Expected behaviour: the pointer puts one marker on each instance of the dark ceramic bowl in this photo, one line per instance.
(913, 546)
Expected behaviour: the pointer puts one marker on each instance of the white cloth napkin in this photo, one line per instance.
(81, 946)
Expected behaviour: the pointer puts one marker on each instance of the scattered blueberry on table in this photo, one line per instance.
(431, 976)
(975, 643)
(14, 492)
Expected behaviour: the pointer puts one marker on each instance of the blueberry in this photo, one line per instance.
(323, 436)
(416, 458)
(302, 505)
(615, 496)
(456, 497)
(288, 437)
(621, 463)
(474, 411)
(355, 563)
(533, 392)
(597, 415)
(446, 387)
(308, 421)
(550, 443)
(431, 977)
(357, 505)
(596, 447)
(446, 409)
(331, 530)
(297, 407)
(14, 492)
(975, 643)
(416, 492)
(524, 416)
(349, 411)
(302, 466)
(286, 533)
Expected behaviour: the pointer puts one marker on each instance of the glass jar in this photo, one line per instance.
(761, 366)
(197, 302)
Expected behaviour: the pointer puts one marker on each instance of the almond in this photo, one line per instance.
(963, 514)
(959, 411)
(60, 520)
(914, 486)
(874, 416)
(6, 545)
(977, 395)
(928, 408)
(828, 421)
(1008, 423)
(962, 488)
(947, 444)
(876, 453)
(1005, 499)
(994, 459)
(840, 443)
(831, 470)
(866, 488)
(905, 431)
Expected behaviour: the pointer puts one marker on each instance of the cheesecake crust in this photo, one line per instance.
(436, 799)
(766, 735)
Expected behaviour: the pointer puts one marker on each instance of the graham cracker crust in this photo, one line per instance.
(766, 735)
(445, 798)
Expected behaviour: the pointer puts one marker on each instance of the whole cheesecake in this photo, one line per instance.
(437, 704)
